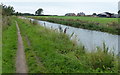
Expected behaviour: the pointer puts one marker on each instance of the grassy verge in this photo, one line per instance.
(48, 51)
(109, 25)
(0, 42)
(9, 47)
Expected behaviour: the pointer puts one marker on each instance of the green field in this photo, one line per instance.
(93, 19)
(109, 25)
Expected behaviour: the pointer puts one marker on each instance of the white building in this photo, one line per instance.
(81, 14)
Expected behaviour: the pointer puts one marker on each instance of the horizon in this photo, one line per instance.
(61, 8)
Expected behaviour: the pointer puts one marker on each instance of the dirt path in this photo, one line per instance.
(21, 66)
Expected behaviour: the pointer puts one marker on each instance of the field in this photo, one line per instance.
(93, 19)
(109, 25)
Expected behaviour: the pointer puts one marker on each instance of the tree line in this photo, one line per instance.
(9, 10)
(38, 12)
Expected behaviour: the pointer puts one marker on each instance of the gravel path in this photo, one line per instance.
(21, 66)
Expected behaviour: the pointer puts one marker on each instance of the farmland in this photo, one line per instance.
(109, 25)
(93, 19)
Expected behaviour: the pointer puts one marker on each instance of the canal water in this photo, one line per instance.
(89, 38)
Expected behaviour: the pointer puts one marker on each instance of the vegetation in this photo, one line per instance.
(109, 25)
(9, 39)
(118, 11)
(54, 53)
(39, 11)
(7, 10)
(50, 51)
(23, 14)
(9, 46)
(85, 18)
(94, 14)
(0, 53)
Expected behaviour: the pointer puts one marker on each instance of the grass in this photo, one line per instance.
(0, 43)
(9, 47)
(48, 51)
(93, 19)
(109, 25)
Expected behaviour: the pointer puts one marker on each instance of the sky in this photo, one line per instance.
(61, 7)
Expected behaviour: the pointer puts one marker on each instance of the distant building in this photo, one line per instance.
(106, 14)
(81, 14)
(115, 16)
(70, 14)
(119, 13)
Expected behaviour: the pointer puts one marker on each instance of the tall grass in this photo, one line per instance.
(54, 52)
(0, 55)
(9, 46)
(6, 21)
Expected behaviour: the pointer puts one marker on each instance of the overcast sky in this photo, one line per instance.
(60, 7)
(59, 0)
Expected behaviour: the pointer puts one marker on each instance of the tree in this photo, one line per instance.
(7, 10)
(94, 14)
(119, 12)
(39, 11)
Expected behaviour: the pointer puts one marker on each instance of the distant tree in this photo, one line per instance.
(39, 11)
(17, 13)
(119, 12)
(94, 14)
